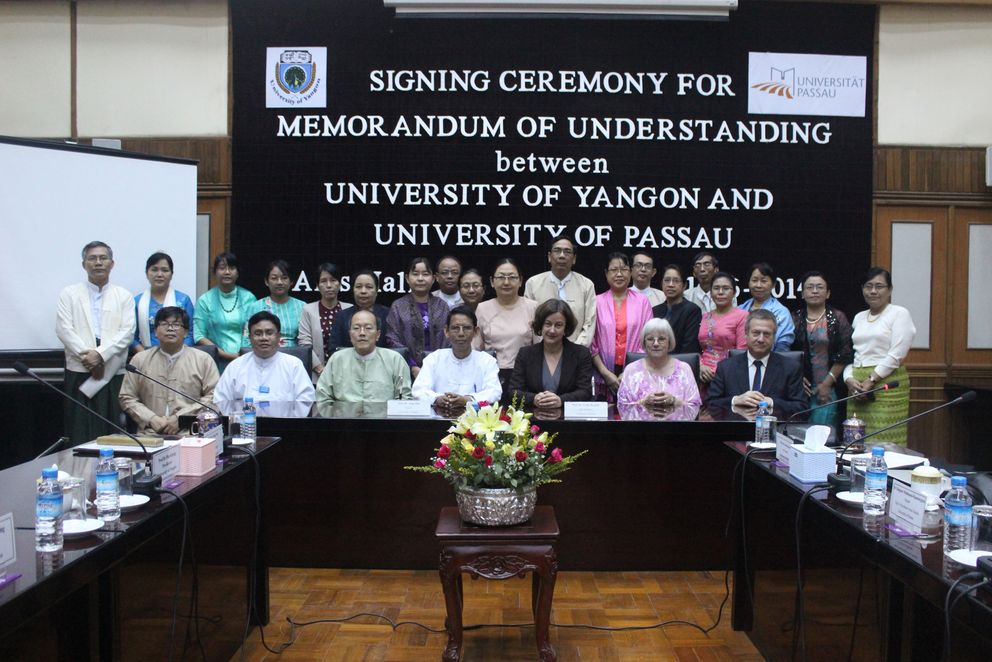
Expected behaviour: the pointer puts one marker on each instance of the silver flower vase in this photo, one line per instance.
(494, 506)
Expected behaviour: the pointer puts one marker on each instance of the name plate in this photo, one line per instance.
(409, 408)
(217, 434)
(594, 410)
(907, 507)
(165, 463)
(783, 448)
(8, 546)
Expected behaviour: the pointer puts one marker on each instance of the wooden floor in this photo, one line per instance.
(601, 599)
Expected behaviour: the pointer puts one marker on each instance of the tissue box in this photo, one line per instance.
(197, 456)
(810, 466)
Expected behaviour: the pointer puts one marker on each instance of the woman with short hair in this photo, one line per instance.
(364, 292)
(721, 329)
(317, 318)
(471, 287)
(555, 370)
(882, 337)
(160, 294)
(621, 313)
(823, 335)
(659, 380)
(683, 315)
(416, 320)
(221, 312)
(288, 309)
(761, 282)
(505, 321)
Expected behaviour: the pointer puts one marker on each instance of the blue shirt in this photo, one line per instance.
(785, 330)
(182, 301)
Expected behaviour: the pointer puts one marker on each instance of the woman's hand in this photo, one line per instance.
(823, 393)
(705, 373)
(659, 400)
(547, 400)
(807, 387)
(612, 380)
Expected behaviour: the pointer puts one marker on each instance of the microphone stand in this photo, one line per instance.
(145, 484)
(842, 481)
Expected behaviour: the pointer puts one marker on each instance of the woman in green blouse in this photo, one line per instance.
(221, 312)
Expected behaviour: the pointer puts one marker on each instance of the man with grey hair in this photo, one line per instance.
(745, 380)
(95, 322)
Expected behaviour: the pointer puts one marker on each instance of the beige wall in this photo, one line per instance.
(935, 76)
(144, 68)
(34, 78)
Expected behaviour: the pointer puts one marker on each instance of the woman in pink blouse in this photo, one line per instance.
(621, 313)
(721, 329)
(658, 382)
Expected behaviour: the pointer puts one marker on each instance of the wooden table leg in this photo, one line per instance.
(545, 575)
(450, 582)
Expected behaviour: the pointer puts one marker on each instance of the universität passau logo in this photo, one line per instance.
(295, 77)
(779, 83)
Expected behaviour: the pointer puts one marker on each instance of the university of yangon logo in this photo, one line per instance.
(781, 84)
(295, 72)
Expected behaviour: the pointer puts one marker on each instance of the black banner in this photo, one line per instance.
(487, 138)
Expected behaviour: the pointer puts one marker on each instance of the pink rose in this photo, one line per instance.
(444, 451)
(478, 452)
(489, 460)
(555, 456)
(521, 456)
(534, 429)
(539, 447)
(439, 464)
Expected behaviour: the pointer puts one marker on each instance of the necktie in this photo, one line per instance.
(756, 386)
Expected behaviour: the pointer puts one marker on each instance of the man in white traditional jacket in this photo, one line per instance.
(451, 378)
(264, 374)
(152, 406)
(95, 322)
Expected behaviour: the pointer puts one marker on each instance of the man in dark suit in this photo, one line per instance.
(744, 380)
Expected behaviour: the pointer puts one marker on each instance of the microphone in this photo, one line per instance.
(841, 481)
(145, 484)
(130, 368)
(883, 387)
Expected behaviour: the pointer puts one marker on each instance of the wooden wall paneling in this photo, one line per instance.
(938, 172)
(929, 434)
(213, 154)
(964, 218)
(218, 207)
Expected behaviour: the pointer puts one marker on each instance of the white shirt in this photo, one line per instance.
(654, 295)
(279, 378)
(477, 376)
(96, 306)
(560, 284)
(751, 369)
(451, 299)
(883, 341)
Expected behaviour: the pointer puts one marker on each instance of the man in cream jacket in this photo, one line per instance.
(95, 322)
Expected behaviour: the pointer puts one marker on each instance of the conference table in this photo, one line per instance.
(110, 596)
(863, 577)
(652, 493)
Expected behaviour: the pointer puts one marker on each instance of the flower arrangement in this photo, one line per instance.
(495, 446)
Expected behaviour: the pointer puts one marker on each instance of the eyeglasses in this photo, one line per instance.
(815, 288)
(171, 325)
(98, 258)
(643, 265)
(721, 288)
(671, 281)
(874, 287)
(618, 270)
(562, 251)
(471, 286)
(506, 278)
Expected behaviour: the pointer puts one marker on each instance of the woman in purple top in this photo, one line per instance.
(658, 381)
(416, 320)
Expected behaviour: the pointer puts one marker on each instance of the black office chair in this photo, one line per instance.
(691, 358)
(303, 352)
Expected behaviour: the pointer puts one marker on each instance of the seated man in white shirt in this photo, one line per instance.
(453, 377)
(265, 374)
(152, 406)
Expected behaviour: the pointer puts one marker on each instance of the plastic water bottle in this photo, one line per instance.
(48, 512)
(248, 420)
(876, 483)
(108, 491)
(957, 516)
(762, 430)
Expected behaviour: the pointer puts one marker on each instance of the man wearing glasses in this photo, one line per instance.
(569, 286)
(152, 407)
(95, 322)
(264, 374)
(704, 267)
(364, 372)
(643, 272)
(449, 269)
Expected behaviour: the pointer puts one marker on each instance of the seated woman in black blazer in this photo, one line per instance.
(555, 370)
